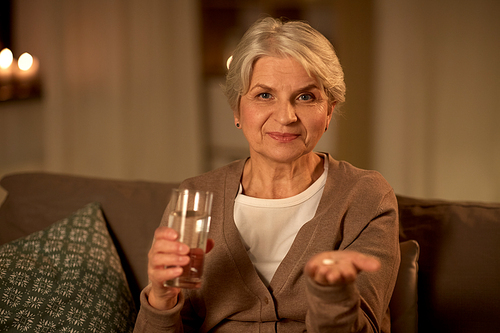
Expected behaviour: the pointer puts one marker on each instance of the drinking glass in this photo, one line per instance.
(189, 214)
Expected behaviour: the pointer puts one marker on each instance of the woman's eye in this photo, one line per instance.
(306, 97)
(264, 95)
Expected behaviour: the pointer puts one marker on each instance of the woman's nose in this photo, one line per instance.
(285, 113)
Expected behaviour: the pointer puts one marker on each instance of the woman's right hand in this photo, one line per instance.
(166, 258)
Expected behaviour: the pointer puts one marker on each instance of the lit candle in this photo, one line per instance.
(28, 67)
(6, 58)
(6, 61)
(25, 61)
(26, 75)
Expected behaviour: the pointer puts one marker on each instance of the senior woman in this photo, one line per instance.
(301, 242)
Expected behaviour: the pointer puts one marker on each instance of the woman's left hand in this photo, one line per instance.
(339, 267)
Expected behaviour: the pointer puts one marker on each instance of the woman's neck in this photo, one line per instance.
(280, 180)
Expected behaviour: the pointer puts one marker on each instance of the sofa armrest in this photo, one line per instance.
(459, 262)
(404, 301)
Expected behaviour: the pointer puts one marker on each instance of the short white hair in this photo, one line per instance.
(277, 38)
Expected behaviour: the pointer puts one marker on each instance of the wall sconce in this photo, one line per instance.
(19, 79)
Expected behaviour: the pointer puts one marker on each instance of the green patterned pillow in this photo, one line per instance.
(66, 278)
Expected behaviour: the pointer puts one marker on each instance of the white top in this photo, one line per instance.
(269, 226)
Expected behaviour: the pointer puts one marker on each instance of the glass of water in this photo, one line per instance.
(189, 214)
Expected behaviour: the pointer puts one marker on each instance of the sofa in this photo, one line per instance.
(73, 257)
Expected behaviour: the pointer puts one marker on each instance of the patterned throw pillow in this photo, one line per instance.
(66, 278)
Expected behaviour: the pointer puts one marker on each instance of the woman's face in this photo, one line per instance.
(284, 113)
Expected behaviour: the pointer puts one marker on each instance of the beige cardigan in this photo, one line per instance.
(358, 211)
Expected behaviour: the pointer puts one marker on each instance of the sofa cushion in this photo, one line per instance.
(459, 263)
(65, 278)
(132, 209)
(404, 301)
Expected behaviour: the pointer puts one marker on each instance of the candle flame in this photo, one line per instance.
(25, 61)
(6, 58)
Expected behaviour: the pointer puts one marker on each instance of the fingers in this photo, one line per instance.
(333, 273)
(166, 258)
(366, 263)
(339, 267)
(165, 233)
(210, 245)
(166, 252)
(168, 234)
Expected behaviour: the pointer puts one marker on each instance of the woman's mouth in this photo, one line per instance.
(283, 137)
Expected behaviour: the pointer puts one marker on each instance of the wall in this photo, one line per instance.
(21, 136)
(436, 97)
(121, 90)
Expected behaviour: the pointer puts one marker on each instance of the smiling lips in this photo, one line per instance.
(283, 137)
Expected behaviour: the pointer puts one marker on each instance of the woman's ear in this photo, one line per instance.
(331, 108)
(329, 115)
(236, 119)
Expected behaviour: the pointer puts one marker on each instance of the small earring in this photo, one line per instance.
(238, 125)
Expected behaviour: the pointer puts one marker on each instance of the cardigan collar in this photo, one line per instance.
(289, 264)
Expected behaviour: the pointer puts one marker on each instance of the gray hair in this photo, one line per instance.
(296, 39)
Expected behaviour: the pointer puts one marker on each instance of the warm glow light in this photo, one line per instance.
(25, 61)
(229, 60)
(6, 58)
